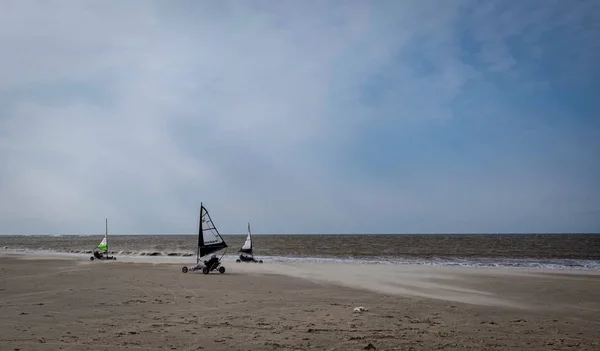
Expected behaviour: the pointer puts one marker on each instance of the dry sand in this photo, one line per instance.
(58, 303)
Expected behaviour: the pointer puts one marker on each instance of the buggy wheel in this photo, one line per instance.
(205, 270)
(238, 261)
(221, 269)
(259, 261)
(91, 258)
(184, 269)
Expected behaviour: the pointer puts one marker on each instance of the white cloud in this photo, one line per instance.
(139, 110)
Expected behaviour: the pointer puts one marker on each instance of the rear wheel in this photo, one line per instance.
(260, 261)
(184, 269)
(221, 269)
(205, 270)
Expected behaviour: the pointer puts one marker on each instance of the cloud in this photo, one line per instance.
(363, 117)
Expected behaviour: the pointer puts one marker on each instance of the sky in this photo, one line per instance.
(399, 116)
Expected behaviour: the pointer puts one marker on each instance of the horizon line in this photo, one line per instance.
(266, 234)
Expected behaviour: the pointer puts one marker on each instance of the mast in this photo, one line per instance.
(200, 236)
(106, 235)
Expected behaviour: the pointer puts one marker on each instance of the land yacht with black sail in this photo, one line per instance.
(209, 242)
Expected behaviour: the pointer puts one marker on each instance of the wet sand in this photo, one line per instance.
(70, 303)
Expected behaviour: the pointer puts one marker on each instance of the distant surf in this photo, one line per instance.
(544, 251)
(479, 262)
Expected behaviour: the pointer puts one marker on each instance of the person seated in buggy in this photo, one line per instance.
(98, 254)
(212, 262)
(245, 257)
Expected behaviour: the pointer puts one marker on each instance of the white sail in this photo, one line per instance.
(248, 244)
(209, 232)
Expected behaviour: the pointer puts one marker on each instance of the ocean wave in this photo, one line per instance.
(554, 264)
(480, 262)
(136, 253)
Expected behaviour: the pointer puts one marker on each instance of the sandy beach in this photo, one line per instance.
(70, 303)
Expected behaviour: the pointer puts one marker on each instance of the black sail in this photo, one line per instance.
(209, 239)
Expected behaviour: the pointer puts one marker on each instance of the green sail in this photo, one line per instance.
(102, 246)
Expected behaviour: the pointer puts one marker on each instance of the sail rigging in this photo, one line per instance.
(209, 239)
(104, 243)
(247, 247)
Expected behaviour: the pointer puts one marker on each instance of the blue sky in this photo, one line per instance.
(300, 117)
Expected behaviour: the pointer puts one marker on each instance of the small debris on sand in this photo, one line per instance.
(360, 309)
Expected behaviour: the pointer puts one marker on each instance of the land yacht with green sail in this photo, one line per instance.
(101, 251)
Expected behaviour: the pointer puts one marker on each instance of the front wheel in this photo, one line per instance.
(91, 258)
(184, 269)
(221, 269)
(205, 270)
(238, 261)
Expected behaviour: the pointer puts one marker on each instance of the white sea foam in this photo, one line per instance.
(529, 263)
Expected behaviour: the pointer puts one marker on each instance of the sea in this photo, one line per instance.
(547, 251)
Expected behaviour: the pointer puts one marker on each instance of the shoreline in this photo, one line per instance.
(391, 279)
(536, 264)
